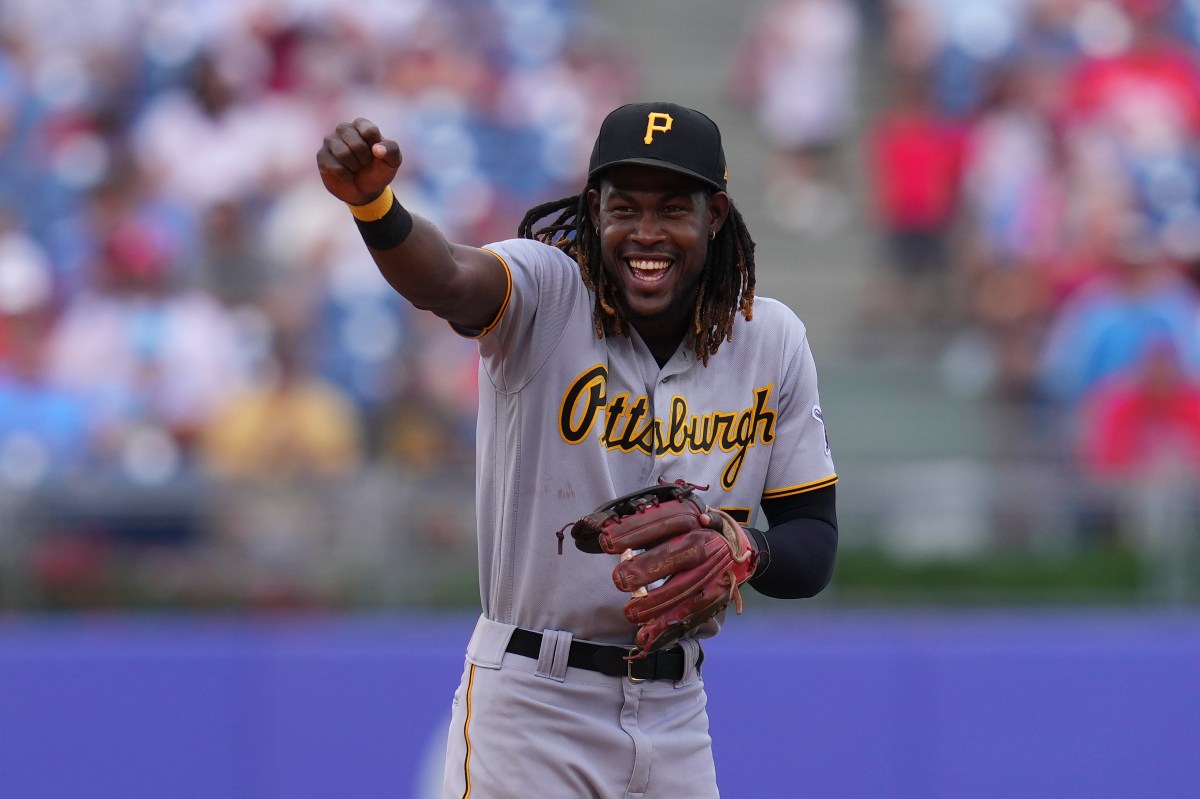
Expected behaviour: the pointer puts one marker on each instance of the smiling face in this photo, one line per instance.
(655, 227)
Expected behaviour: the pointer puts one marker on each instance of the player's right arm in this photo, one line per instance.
(463, 285)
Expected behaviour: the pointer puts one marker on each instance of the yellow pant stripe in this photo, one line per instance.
(467, 734)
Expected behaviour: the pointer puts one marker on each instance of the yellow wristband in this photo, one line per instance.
(376, 209)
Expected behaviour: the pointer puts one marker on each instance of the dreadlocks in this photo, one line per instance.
(726, 284)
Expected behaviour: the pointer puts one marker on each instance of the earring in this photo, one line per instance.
(712, 234)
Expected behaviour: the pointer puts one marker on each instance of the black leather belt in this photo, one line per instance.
(666, 664)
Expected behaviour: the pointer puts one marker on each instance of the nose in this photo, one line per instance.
(648, 229)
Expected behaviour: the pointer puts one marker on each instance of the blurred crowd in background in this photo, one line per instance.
(198, 357)
(1043, 156)
(1032, 170)
(199, 364)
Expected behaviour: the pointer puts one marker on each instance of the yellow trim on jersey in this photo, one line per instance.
(467, 734)
(467, 333)
(791, 491)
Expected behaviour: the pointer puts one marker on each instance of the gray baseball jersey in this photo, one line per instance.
(567, 421)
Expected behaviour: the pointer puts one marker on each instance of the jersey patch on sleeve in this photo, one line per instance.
(816, 412)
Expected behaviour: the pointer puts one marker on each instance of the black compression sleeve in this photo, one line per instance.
(798, 550)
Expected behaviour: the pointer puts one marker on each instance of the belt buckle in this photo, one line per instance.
(629, 672)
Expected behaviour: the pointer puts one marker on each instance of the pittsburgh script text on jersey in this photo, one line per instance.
(629, 425)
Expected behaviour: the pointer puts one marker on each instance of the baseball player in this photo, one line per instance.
(634, 391)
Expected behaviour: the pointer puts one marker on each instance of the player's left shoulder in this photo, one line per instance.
(770, 319)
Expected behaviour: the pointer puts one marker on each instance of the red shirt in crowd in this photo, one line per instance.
(1161, 80)
(1136, 424)
(916, 164)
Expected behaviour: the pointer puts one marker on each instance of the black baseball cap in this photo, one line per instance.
(663, 135)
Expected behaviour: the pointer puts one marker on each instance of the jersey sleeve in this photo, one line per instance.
(545, 292)
(801, 459)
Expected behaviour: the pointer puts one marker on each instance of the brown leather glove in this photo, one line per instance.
(662, 533)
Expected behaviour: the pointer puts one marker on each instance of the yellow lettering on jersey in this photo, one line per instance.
(625, 425)
(583, 400)
(657, 122)
(629, 426)
(616, 413)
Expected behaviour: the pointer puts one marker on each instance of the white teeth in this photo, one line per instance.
(649, 269)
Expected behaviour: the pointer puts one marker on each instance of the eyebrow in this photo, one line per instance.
(676, 194)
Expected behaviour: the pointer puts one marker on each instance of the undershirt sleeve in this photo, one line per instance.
(798, 549)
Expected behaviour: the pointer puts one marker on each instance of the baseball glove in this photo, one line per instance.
(697, 557)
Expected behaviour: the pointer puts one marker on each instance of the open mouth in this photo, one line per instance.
(648, 271)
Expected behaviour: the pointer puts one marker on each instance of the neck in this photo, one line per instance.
(661, 345)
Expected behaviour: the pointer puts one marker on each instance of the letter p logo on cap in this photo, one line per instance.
(656, 121)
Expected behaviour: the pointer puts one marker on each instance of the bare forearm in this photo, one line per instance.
(463, 285)
(422, 268)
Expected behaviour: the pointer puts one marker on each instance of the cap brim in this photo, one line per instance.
(657, 164)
